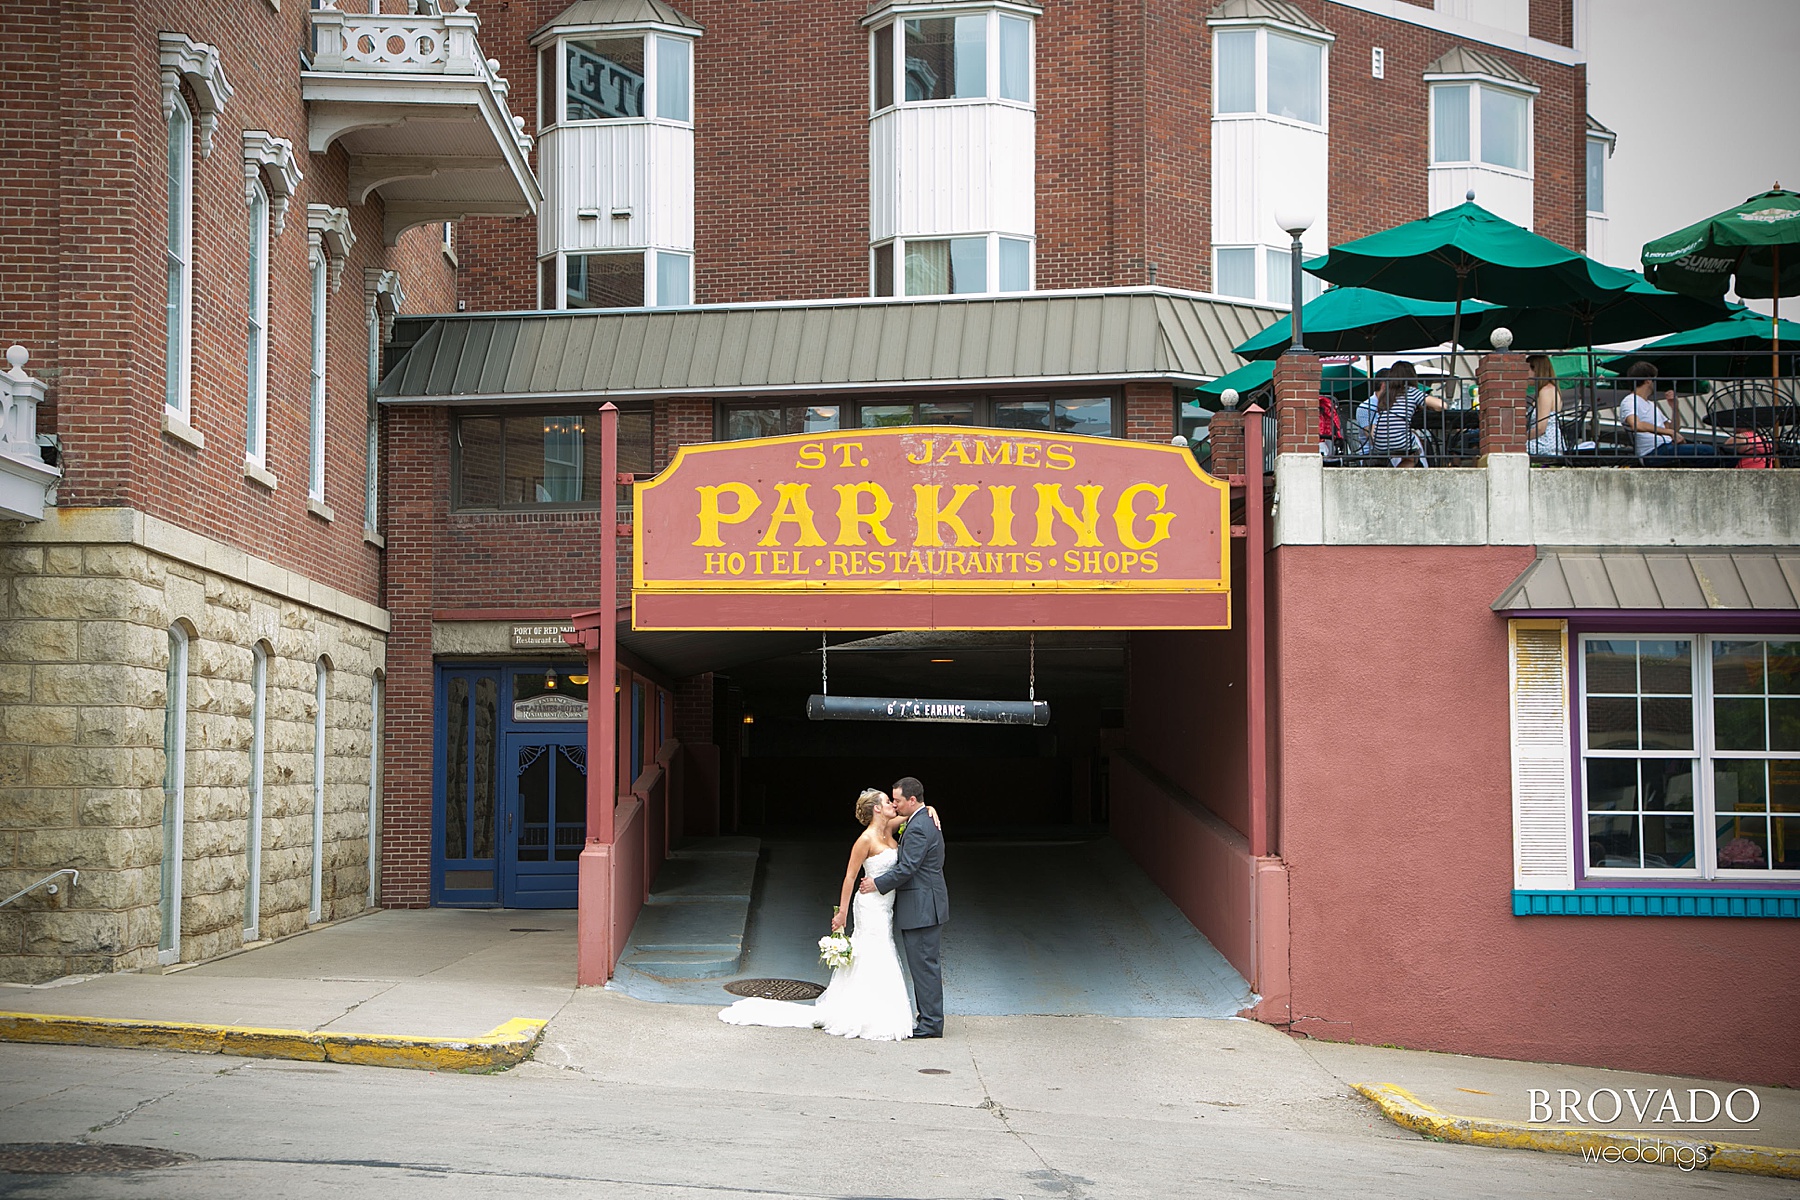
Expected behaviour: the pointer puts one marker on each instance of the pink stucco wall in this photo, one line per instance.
(1395, 784)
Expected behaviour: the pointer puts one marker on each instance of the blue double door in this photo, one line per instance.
(511, 789)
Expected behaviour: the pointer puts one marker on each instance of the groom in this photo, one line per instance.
(921, 903)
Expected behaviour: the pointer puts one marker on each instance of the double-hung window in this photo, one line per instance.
(1597, 151)
(982, 55)
(179, 263)
(256, 349)
(1690, 757)
(1263, 72)
(315, 485)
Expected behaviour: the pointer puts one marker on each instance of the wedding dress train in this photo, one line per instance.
(866, 999)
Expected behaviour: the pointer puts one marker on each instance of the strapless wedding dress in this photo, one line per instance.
(866, 999)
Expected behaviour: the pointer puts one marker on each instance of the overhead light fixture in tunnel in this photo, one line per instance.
(938, 660)
(940, 712)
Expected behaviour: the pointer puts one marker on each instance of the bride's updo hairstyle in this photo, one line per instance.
(865, 804)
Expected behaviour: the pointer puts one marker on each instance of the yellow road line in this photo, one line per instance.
(509, 1044)
(1408, 1111)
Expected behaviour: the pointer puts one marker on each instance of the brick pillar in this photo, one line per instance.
(1296, 404)
(680, 421)
(1505, 384)
(1149, 412)
(1228, 443)
(418, 476)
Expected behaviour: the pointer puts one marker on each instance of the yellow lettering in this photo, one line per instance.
(812, 456)
(991, 563)
(1071, 560)
(1033, 563)
(919, 462)
(715, 564)
(1125, 515)
(712, 516)
(757, 556)
(1052, 506)
(877, 562)
(987, 452)
(1028, 454)
(1149, 558)
(839, 563)
(953, 562)
(1059, 457)
(845, 448)
(859, 563)
(1003, 514)
(955, 448)
(914, 564)
(931, 515)
(851, 517)
(791, 506)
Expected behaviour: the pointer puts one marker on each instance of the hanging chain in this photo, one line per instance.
(824, 667)
(1033, 688)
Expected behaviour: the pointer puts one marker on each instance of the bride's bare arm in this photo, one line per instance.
(858, 853)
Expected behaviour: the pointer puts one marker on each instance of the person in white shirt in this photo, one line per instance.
(1653, 435)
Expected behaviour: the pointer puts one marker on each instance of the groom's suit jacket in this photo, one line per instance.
(917, 877)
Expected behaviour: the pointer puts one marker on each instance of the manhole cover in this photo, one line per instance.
(75, 1158)
(775, 989)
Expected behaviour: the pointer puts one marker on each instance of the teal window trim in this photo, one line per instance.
(1649, 902)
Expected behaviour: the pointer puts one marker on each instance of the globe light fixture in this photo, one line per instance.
(1501, 339)
(1294, 220)
(1229, 398)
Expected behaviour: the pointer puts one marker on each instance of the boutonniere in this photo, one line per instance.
(900, 830)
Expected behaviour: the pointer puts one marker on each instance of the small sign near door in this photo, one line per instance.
(540, 637)
(550, 707)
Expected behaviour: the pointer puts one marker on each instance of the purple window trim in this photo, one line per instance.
(1635, 623)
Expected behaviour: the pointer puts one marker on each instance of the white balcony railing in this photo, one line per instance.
(26, 480)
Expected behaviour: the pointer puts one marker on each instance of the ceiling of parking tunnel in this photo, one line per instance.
(1089, 665)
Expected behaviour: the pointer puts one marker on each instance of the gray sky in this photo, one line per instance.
(1704, 95)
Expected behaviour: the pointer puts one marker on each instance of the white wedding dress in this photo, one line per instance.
(866, 999)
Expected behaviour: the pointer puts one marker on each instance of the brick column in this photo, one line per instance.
(1149, 412)
(1228, 443)
(1296, 404)
(1505, 384)
(418, 478)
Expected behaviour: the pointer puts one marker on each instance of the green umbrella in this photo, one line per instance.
(1337, 379)
(1742, 248)
(1352, 320)
(1467, 253)
(1637, 310)
(1742, 347)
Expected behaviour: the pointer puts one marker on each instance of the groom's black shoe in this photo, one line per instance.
(925, 1033)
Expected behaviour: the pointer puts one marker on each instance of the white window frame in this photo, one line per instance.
(259, 707)
(1475, 84)
(175, 705)
(178, 377)
(993, 12)
(315, 457)
(315, 907)
(1606, 144)
(256, 366)
(648, 36)
(1310, 285)
(1263, 31)
(1703, 753)
(993, 263)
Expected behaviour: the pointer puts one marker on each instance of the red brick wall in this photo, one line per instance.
(84, 203)
(1149, 412)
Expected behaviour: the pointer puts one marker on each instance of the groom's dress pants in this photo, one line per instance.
(927, 978)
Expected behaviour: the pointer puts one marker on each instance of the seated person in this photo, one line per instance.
(1652, 435)
(1543, 414)
(1397, 400)
(1752, 449)
(1331, 428)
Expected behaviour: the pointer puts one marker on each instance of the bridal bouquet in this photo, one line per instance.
(834, 949)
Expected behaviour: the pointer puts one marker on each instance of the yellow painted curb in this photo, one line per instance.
(1408, 1111)
(509, 1044)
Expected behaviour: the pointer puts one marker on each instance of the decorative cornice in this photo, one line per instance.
(274, 159)
(328, 229)
(198, 64)
(384, 298)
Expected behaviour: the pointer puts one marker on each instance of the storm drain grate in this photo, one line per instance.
(75, 1158)
(775, 989)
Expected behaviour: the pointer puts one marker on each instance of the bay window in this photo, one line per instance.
(1261, 273)
(1690, 756)
(981, 55)
(953, 266)
(1480, 123)
(617, 279)
(1262, 72)
(623, 76)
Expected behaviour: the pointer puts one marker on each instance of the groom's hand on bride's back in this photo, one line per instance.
(867, 885)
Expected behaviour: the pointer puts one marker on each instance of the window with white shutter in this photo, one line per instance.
(1543, 821)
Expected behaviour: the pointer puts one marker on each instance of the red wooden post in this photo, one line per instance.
(1255, 633)
(598, 631)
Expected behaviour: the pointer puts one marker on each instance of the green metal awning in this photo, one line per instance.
(1696, 579)
(1039, 338)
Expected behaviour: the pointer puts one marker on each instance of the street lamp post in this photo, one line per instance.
(1294, 222)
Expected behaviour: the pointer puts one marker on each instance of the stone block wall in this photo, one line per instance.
(84, 654)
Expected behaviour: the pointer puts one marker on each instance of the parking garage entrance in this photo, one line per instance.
(968, 600)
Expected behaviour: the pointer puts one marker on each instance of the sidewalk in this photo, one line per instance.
(453, 976)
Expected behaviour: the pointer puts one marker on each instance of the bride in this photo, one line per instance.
(867, 998)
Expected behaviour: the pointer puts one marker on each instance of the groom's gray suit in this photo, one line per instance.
(921, 906)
